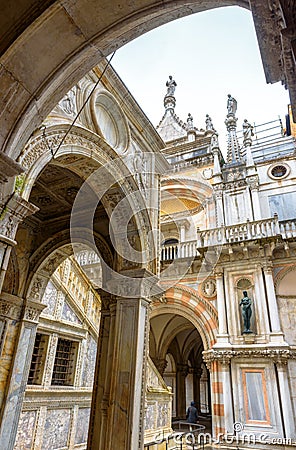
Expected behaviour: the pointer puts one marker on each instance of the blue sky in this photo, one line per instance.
(209, 54)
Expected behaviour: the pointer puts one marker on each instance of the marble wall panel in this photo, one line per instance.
(69, 315)
(25, 431)
(82, 426)
(49, 299)
(56, 429)
(150, 417)
(89, 362)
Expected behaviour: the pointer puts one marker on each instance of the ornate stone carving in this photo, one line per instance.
(10, 306)
(33, 310)
(68, 103)
(35, 292)
(209, 288)
(14, 212)
(253, 182)
(223, 356)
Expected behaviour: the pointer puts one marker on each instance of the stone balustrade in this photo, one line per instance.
(288, 228)
(241, 232)
(87, 257)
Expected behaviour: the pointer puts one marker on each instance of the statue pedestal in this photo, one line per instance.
(249, 338)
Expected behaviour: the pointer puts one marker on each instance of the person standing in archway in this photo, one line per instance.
(191, 414)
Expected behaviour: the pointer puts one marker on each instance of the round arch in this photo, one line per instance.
(53, 252)
(184, 301)
(84, 145)
(89, 31)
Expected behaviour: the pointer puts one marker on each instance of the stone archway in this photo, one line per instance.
(189, 325)
(52, 184)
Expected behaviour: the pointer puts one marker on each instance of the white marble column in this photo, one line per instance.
(227, 396)
(222, 336)
(219, 208)
(256, 203)
(101, 389)
(285, 394)
(19, 370)
(271, 300)
(125, 424)
(119, 386)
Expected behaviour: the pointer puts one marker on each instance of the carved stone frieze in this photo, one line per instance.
(278, 356)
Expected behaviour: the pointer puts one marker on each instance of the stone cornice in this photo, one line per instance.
(8, 168)
(276, 355)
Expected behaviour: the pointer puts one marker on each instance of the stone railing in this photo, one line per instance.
(288, 228)
(241, 232)
(87, 257)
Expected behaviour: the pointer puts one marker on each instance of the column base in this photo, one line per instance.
(277, 337)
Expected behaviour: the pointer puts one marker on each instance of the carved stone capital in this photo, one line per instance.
(14, 211)
(253, 182)
(33, 310)
(183, 369)
(160, 364)
(10, 306)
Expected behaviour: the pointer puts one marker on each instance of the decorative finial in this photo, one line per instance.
(171, 85)
(189, 122)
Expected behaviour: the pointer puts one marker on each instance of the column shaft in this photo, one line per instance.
(182, 370)
(271, 299)
(227, 396)
(125, 415)
(19, 370)
(288, 416)
(221, 304)
(256, 204)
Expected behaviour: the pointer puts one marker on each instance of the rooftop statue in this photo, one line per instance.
(189, 122)
(171, 85)
(247, 131)
(209, 123)
(231, 105)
